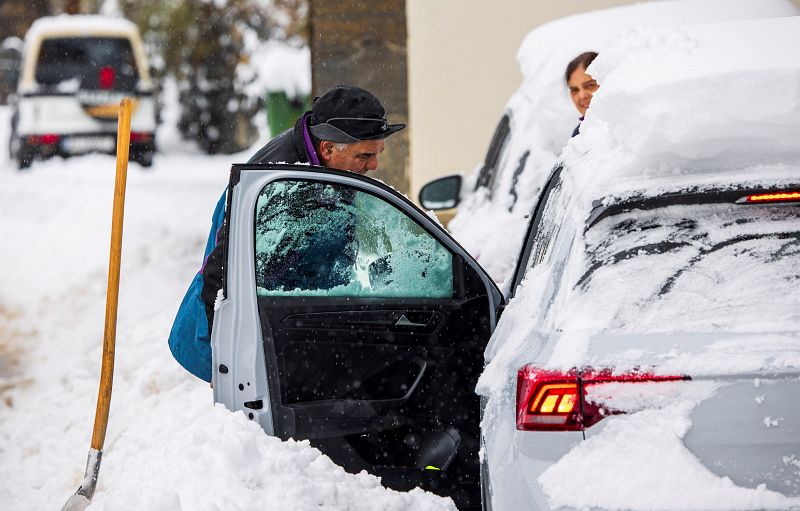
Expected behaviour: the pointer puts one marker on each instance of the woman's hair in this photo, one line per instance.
(583, 60)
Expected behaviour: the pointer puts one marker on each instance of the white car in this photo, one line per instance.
(539, 119)
(75, 71)
(650, 355)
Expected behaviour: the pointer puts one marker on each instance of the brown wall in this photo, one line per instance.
(364, 43)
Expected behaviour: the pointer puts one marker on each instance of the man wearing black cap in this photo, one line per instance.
(345, 130)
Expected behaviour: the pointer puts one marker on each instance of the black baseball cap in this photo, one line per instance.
(347, 114)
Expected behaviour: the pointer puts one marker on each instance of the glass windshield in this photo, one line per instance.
(712, 267)
(315, 239)
(93, 62)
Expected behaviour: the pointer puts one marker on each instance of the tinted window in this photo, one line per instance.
(543, 227)
(488, 173)
(316, 239)
(95, 62)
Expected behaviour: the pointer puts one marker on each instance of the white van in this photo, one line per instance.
(75, 71)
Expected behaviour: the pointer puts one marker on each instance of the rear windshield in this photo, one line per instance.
(92, 62)
(704, 268)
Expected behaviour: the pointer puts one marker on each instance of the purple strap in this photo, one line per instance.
(313, 159)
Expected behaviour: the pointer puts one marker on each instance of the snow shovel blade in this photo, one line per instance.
(76, 502)
(80, 500)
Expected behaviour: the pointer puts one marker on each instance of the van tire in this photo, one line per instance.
(24, 155)
(144, 159)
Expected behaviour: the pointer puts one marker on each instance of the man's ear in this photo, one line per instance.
(326, 150)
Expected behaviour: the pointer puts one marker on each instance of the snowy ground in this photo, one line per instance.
(167, 446)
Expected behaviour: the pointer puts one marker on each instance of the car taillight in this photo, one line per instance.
(47, 139)
(106, 77)
(556, 401)
(139, 136)
(765, 198)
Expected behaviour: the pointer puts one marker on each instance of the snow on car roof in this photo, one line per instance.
(692, 104)
(79, 24)
(545, 52)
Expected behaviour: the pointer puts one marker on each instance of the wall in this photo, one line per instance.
(365, 44)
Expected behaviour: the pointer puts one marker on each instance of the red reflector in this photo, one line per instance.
(47, 139)
(556, 401)
(107, 77)
(138, 136)
(774, 197)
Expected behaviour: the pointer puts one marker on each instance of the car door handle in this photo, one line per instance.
(404, 321)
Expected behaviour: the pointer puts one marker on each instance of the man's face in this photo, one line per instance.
(581, 89)
(359, 157)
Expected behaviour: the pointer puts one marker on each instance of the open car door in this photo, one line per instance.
(351, 319)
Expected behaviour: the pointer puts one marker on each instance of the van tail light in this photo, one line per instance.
(107, 77)
(556, 401)
(766, 198)
(141, 136)
(47, 139)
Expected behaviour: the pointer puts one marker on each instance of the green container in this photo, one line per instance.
(282, 112)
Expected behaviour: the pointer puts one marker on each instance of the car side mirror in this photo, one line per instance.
(442, 193)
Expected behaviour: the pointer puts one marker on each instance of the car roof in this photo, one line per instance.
(546, 50)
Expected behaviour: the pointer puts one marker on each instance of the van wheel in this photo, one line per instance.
(24, 155)
(144, 159)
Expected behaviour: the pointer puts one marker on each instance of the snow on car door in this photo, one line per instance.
(352, 320)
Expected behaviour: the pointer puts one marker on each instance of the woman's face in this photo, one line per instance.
(581, 89)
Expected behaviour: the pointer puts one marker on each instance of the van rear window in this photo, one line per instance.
(95, 62)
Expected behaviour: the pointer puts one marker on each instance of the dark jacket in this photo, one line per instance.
(190, 336)
(288, 147)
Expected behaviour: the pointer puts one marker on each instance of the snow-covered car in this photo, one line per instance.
(75, 71)
(650, 356)
(539, 119)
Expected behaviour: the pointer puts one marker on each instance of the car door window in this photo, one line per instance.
(543, 227)
(319, 239)
(488, 174)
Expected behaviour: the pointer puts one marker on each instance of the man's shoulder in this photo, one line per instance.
(283, 148)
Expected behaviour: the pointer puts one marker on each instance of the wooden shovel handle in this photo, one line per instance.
(112, 294)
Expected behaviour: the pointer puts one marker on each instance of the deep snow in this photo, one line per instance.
(168, 447)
